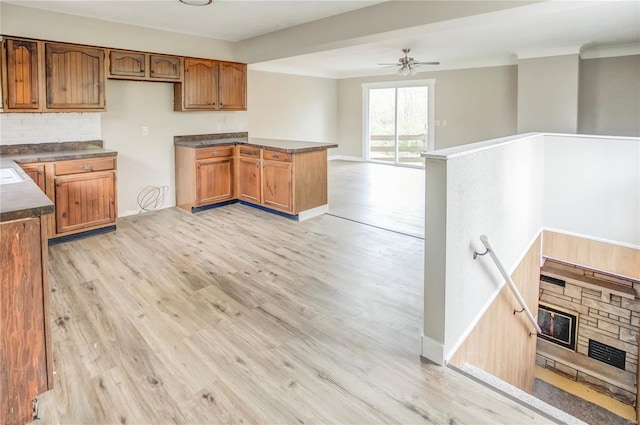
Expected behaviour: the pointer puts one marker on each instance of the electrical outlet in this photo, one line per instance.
(145, 131)
(444, 123)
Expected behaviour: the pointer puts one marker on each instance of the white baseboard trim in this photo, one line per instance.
(134, 212)
(313, 212)
(432, 350)
(345, 158)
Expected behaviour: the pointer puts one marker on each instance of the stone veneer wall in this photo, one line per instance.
(615, 322)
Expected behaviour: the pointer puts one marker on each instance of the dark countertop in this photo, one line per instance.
(229, 139)
(23, 199)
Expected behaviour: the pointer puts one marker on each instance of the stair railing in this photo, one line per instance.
(514, 289)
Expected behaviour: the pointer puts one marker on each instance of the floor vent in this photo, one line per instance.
(552, 280)
(607, 354)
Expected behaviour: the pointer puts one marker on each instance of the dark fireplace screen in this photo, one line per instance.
(557, 326)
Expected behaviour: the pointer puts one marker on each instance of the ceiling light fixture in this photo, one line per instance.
(196, 2)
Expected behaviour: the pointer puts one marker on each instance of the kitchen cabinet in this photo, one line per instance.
(204, 176)
(232, 90)
(210, 85)
(249, 173)
(75, 77)
(21, 75)
(143, 66)
(277, 180)
(37, 173)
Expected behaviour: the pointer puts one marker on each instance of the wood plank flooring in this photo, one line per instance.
(235, 315)
(378, 195)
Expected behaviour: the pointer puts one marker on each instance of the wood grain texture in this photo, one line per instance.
(185, 163)
(616, 259)
(232, 86)
(234, 315)
(165, 68)
(37, 173)
(22, 75)
(249, 179)
(23, 344)
(214, 180)
(277, 186)
(310, 186)
(500, 343)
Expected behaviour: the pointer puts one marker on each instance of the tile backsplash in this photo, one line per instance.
(20, 128)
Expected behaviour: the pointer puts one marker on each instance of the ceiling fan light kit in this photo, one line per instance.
(196, 2)
(408, 66)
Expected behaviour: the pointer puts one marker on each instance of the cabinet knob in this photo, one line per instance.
(214, 153)
(33, 102)
(86, 167)
(276, 156)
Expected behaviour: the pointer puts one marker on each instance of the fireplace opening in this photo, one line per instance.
(558, 326)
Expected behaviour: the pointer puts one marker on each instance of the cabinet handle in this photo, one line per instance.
(214, 153)
(86, 167)
(33, 102)
(276, 157)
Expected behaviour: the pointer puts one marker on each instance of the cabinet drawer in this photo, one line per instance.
(219, 152)
(248, 151)
(276, 156)
(85, 165)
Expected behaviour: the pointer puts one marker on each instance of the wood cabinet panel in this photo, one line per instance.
(84, 165)
(75, 77)
(276, 156)
(214, 180)
(25, 353)
(249, 151)
(276, 185)
(249, 176)
(127, 64)
(200, 88)
(164, 68)
(232, 90)
(22, 75)
(85, 201)
(37, 174)
(219, 152)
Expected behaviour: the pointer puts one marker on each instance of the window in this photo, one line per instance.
(398, 117)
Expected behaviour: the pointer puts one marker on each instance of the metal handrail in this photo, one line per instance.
(514, 289)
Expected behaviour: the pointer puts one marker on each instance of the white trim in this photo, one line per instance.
(610, 51)
(345, 158)
(592, 238)
(432, 350)
(313, 212)
(491, 299)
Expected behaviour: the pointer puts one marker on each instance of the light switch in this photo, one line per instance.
(437, 123)
(444, 123)
(145, 131)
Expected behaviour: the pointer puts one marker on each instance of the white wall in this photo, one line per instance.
(592, 187)
(496, 192)
(548, 94)
(292, 107)
(478, 104)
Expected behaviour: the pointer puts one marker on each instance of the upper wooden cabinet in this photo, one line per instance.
(21, 88)
(211, 85)
(143, 66)
(232, 86)
(75, 77)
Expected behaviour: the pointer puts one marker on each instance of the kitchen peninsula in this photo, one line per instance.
(283, 176)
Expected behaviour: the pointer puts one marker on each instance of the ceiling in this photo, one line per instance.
(486, 39)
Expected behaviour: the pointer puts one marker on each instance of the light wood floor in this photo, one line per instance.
(235, 315)
(378, 195)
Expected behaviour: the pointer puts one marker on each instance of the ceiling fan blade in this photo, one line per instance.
(389, 64)
(426, 63)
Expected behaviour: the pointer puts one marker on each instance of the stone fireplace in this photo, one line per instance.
(590, 322)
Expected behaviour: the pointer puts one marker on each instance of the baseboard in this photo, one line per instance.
(432, 350)
(313, 212)
(345, 158)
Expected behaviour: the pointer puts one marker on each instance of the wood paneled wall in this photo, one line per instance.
(500, 343)
(602, 256)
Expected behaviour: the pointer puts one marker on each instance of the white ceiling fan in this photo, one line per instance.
(407, 65)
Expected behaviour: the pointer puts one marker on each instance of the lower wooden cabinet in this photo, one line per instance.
(249, 179)
(276, 185)
(37, 174)
(214, 180)
(85, 201)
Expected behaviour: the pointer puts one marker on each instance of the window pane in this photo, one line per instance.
(412, 124)
(382, 124)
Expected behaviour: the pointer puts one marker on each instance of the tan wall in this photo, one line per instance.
(500, 343)
(478, 104)
(616, 259)
(292, 107)
(610, 96)
(548, 94)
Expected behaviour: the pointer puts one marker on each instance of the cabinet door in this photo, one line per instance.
(214, 180)
(75, 77)
(249, 175)
(164, 68)
(127, 64)
(36, 172)
(233, 86)
(85, 201)
(276, 185)
(22, 75)
(200, 84)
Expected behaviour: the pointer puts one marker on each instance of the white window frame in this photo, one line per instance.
(431, 90)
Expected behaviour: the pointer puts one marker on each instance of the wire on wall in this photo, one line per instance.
(151, 198)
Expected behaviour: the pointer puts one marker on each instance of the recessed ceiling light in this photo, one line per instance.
(196, 2)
